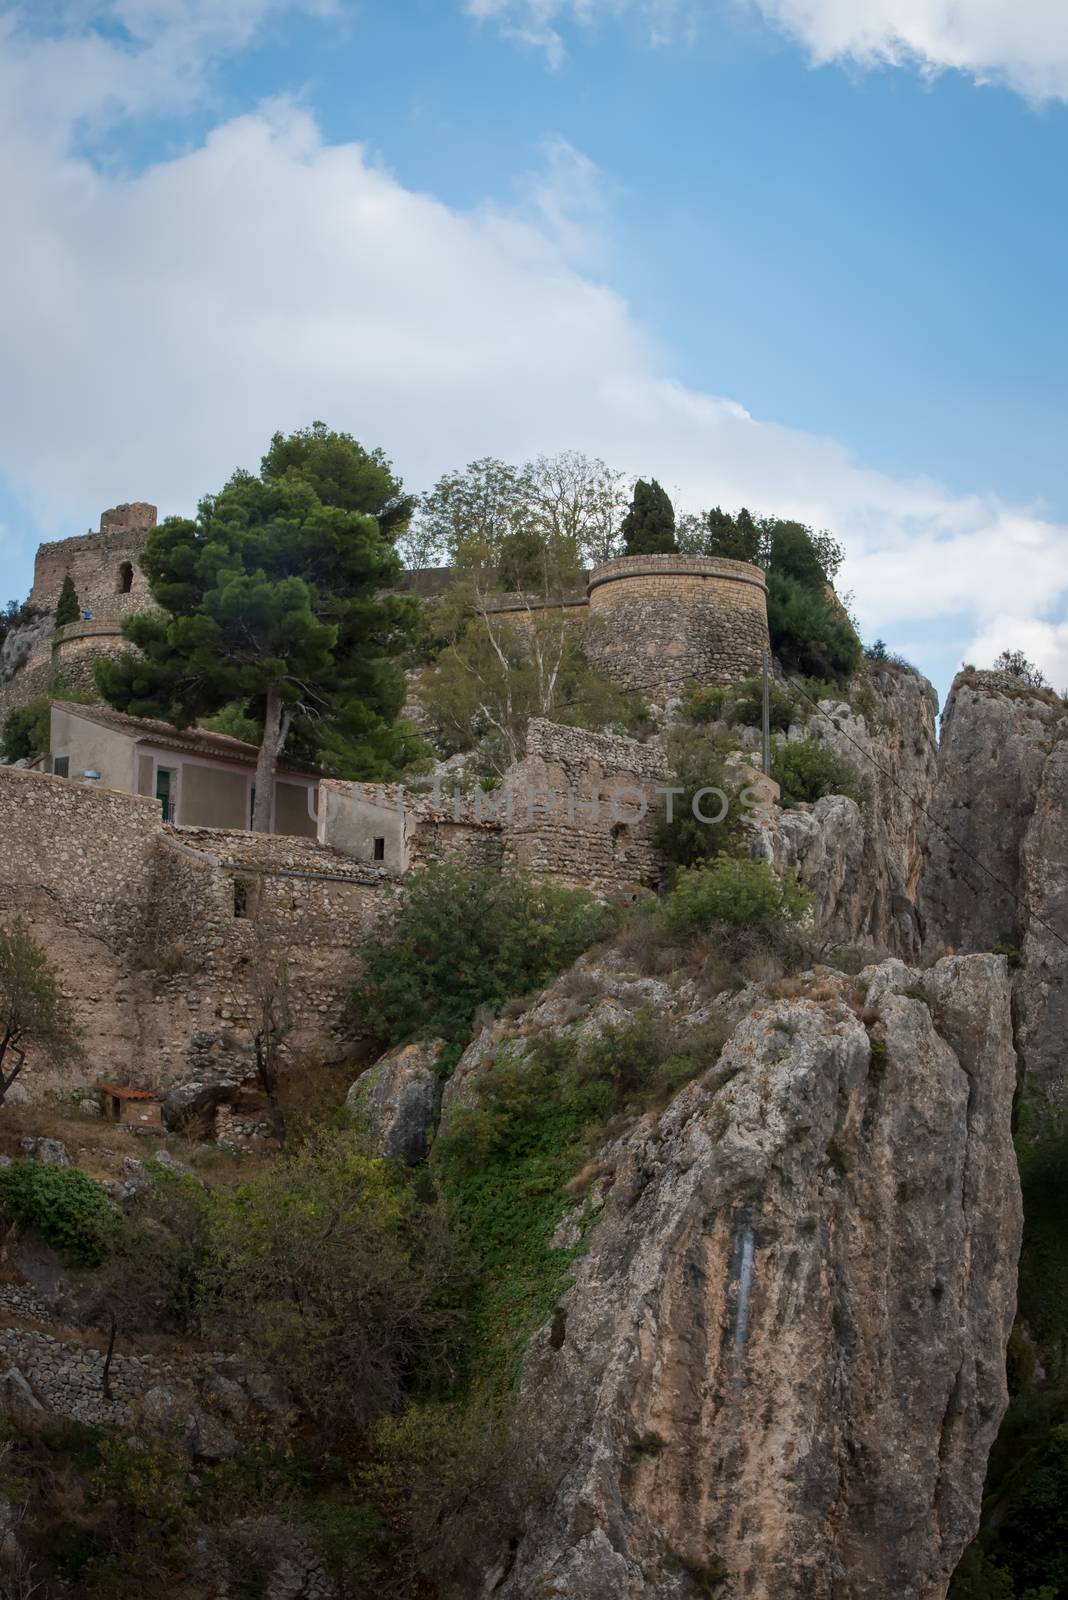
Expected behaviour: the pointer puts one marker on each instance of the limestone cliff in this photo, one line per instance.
(863, 862)
(996, 868)
(780, 1365)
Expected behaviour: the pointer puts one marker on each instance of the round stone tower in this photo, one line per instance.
(658, 621)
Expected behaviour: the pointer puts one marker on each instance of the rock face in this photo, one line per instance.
(996, 868)
(780, 1366)
(863, 864)
(399, 1098)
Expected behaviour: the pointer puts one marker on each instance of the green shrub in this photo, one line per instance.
(504, 1164)
(696, 761)
(746, 704)
(808, 769)
(69, 1210)
(337, 1275)
(27, 730)
(736, 891)
(454, 941)
(706, 703)
(809, 632)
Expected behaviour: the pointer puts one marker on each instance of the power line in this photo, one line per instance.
(1004, 887)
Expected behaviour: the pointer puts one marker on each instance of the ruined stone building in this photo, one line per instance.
(129, 852)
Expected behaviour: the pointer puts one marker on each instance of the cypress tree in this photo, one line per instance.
(649, 525)
(67, 607)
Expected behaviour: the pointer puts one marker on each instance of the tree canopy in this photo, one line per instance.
(342, 473)
(276, 599)
(649, 526)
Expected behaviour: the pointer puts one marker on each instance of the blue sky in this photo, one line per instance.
(777, 251)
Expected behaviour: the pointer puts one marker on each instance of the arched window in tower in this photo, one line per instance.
(125, 578)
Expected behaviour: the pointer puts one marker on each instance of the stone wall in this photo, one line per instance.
(84, 850)
(584, 808)
(95, 560)
(66, 1376)
(657, 621)
(159, 934)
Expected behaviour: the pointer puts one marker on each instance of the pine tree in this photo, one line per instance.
(275, 599)
(67, 607)
(649, 525)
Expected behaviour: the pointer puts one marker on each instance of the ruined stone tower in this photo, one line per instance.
(657, 621)
(104, 565)
(105, 568)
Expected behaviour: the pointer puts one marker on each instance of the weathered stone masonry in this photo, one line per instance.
(155, 931)
(656, 622)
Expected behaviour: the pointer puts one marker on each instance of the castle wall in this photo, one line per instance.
(95, 561)
(415, 830)
(159, 934)
(657, 622)
(585, 809)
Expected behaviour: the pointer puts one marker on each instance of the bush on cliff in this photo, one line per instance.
(687, 837)
(454, 941)
(808, 769)
(738, 892)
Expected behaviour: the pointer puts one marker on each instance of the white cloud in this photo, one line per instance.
(156, 328)
(1044, 642)
(1023, 44)
(94, 61)
(539, 23)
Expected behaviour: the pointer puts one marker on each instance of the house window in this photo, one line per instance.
(240, 898)
(380, 850)
(125, 578)
(61, 766)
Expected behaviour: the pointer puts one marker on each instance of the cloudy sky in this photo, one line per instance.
(805, 255)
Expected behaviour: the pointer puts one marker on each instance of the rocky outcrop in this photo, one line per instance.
(781, 1363)
(996, 868)
(862, 863)
(188, 1101)
(399, 1099)
(892, 744)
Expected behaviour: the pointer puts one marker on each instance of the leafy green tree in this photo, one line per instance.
(577, 501)
(275, 600)
(342, 473)
(480, 519)
(649, 525)
(333, 1269)
(27, 730)
(697, 767)
(810, 632)
(35, 1019)
(67, 606)
(483, 689)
